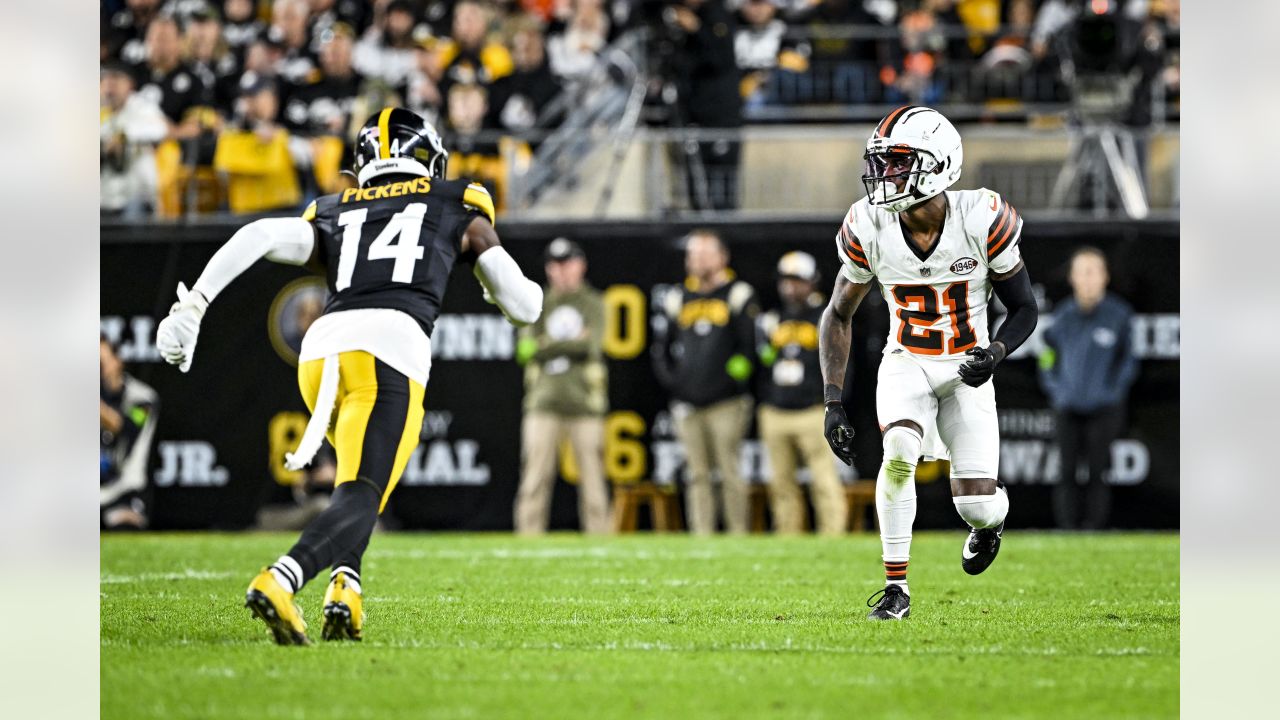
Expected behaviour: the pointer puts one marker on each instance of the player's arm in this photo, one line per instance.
(835, 334)
(1127, 361)
(1014, 290)
(745, 308)
(664, 366)
(518, 297)
(1002, 226)
(765, 325)
(284, 240)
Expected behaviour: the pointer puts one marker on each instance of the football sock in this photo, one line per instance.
(353, 577)
(895, 573)
(896, 501)
(983, 511)
(288, 573)
(347, 523)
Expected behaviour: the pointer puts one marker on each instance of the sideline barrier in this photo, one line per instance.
(224, 427)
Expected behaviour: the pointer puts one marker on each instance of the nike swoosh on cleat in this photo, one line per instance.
(898, 615)
(964, 552)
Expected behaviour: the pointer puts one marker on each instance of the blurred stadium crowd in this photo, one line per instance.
(249, 105)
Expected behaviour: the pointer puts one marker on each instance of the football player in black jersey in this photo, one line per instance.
(386, 248)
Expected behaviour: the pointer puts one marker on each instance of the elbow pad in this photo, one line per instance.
(519, 298)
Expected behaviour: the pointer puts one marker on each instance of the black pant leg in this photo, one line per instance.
(1101, 430)
(1066, 495)
(339, 535)
(721, 158)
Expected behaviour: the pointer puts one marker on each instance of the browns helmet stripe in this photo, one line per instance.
(886, 125)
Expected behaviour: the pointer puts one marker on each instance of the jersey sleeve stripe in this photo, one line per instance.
(856, 256)
(998, 224)
(310, 213)
(1013, 232)
(858, 259)
(846, 234)
(477, 198)
(851, 248)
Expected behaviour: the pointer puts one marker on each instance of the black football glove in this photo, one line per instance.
(983, 365)
(839, 433)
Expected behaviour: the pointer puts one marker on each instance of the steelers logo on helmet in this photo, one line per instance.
(914, 154)
(398, 141)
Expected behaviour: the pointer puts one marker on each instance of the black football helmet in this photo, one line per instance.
(399, 141)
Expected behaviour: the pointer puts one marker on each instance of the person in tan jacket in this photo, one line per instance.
(566, 394)
(791, 411)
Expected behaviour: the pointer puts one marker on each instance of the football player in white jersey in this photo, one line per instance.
(937, 255)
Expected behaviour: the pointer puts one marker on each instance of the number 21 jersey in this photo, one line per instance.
(937, 299)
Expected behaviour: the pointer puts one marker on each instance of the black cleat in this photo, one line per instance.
(980, 549)
(894, 604)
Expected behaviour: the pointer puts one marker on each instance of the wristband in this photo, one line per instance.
(1004, 349)
(831, 394)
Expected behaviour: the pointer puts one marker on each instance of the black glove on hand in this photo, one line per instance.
(983, 365)
(839, 433)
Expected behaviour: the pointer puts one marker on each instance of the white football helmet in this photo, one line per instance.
(917, 144)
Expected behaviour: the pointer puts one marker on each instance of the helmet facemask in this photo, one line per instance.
(894, 176)
(433, 155)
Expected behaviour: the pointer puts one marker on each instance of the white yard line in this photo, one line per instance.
(185, 574)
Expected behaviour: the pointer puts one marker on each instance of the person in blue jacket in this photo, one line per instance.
(1086, 369)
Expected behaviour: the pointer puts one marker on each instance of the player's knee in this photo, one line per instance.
(901, 453)
(983, 511)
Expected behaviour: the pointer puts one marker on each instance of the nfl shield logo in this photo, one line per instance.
(925, 272)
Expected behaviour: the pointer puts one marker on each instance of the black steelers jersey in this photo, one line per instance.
(393, 245)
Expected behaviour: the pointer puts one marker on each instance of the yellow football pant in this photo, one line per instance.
(379, 418)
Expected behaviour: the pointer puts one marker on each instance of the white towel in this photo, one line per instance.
(318, 425)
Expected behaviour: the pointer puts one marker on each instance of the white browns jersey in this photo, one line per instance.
(937, 300)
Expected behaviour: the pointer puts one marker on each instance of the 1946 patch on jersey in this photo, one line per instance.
(964, 266)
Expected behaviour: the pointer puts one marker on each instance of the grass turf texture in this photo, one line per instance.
(642, 626)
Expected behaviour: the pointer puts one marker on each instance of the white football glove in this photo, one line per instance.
(176, 336)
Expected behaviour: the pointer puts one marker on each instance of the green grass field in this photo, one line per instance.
(492, 626)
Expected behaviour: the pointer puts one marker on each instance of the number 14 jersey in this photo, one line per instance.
(392, 246)
(937, 299)
(387, 251)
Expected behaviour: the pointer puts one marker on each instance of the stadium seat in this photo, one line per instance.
(260, 175)
(758, 500)
(327, 158)
(664, 507)
(861, 495)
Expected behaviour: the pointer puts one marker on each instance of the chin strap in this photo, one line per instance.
(318, 425)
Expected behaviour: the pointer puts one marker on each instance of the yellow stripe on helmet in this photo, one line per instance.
(384, 132)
